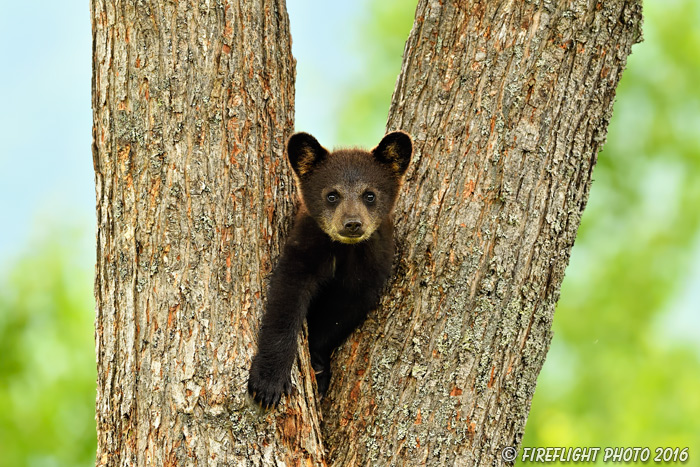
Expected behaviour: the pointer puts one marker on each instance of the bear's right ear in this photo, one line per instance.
(394, 150)
(305, 153)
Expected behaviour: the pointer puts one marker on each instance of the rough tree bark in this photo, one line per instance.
(508, 103)
(192, 105)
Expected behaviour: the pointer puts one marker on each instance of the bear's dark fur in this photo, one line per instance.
(336, 261)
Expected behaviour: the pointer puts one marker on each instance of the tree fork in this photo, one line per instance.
(508, 104)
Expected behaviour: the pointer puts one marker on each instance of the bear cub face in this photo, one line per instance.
(349, 192)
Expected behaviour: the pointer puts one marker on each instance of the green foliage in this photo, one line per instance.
(47, 363)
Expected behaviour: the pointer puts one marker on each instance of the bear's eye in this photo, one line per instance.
(369, 197)
(332, 197)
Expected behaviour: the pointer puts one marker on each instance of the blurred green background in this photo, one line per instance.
(624, 366)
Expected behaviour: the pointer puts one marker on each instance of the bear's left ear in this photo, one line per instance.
(305, 153)
(395, 149)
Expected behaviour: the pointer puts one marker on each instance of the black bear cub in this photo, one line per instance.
(337, 258)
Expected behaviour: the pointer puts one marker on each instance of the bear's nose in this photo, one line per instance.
(353, 225)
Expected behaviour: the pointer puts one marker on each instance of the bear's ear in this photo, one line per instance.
(305, 153)
(395, 150)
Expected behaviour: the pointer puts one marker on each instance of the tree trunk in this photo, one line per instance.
(192, 105)
(508, 103)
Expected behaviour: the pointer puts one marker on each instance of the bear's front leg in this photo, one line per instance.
(270, 371)
(292, 286)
